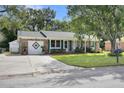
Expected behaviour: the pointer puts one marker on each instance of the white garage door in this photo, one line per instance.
(35, 47)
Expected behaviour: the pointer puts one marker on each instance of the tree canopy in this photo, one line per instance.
(105, 21)
(20, 17)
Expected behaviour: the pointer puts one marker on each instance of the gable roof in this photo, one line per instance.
(30, 34)
(13, 42)
(46, 35)
(51, 35)
(59, 35)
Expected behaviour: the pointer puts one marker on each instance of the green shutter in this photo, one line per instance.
(49, 46)
(61, 44)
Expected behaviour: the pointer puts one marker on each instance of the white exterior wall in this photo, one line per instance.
(74, 44)
(14, 47)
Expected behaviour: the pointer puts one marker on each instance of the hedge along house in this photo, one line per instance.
(49, 41)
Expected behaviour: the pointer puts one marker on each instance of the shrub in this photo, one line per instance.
(88, 49)
(113, 54)
(57, 51)
(43, 48)
(99, 50)
(79, 50)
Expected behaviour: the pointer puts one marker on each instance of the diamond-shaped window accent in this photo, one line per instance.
(35, 45)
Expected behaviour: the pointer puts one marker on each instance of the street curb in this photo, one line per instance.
(15, 75)
(30, 74)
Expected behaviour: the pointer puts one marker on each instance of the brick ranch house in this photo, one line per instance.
(119, 44)
(46, 41)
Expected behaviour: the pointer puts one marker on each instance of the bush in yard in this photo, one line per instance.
(89, 49)
(119, 51)
(99, 50)
(79, 50)
(57, 51)
(113, 54)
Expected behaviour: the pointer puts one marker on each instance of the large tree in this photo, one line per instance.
(106, 21)
(12, 19)
(40, 19)
(82, 26)
(18, 17)
(60, 25)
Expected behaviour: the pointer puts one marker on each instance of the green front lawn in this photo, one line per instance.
(89, 60)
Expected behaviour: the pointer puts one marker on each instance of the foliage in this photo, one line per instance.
(89, 50)
(113, 54)
(39, 19)
(105, 21)
(10, 22)
(102, 44)
(9, 37)
(54, 51)
(16, 17)
(20, 17)
(60, 25)
(79, 50)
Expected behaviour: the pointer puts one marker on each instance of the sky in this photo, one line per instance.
(61, 11)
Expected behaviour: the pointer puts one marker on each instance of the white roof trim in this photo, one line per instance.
(23, 37)
(15, 41)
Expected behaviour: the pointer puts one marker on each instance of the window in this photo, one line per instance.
(58, 43)
(65, 44)
(92, 44)
(52, 43)
(55, 44)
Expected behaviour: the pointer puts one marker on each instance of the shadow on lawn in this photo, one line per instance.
(77, 76)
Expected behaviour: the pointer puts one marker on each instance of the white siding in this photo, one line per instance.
(14, 47)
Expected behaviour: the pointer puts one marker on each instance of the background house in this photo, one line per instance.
(119, 44)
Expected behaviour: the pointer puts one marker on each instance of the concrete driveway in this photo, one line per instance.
(30, 64)
(52, 73)
(13, 65)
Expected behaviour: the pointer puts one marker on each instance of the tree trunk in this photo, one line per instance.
(113, 42)
(81, 43)
(85, 49)
(89, 42)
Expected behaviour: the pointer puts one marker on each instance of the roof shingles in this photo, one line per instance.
(52, 35)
